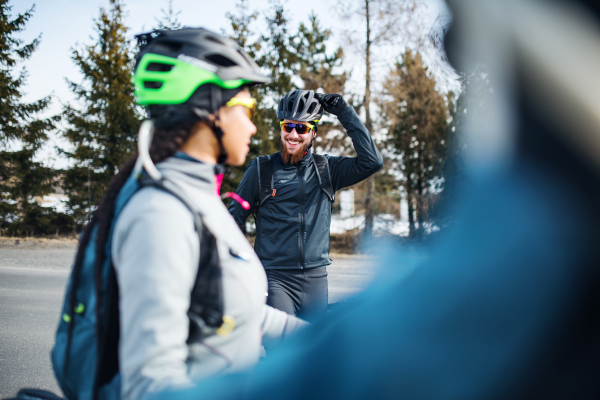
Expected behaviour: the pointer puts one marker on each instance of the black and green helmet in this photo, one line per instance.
(179, 72)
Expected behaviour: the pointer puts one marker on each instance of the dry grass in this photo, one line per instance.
(34, 242)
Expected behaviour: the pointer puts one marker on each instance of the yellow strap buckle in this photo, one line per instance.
(227, 326)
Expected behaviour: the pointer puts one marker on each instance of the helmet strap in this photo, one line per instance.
(219, 135)
(215, 99)
(204, 115)
(310, 145)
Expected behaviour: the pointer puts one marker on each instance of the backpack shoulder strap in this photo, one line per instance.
(264, 168)
(206, 303)
(322, 167)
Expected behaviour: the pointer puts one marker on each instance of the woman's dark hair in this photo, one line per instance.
(165, 143)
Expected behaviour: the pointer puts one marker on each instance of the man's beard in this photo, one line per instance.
(294, 158)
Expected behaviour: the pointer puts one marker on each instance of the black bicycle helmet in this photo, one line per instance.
(185, 74)
(300, 105)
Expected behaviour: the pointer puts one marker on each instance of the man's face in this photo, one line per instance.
(293, 144)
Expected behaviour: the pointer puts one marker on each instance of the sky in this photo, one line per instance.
(67, 24)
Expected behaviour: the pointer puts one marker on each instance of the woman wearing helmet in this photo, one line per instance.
(179, 319)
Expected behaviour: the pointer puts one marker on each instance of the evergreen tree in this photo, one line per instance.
(240, 26)
(21, 136)
(103, 132)
(320, 69)
(418, 115)
(169, 18)
(278, 56)
(242, 33)
(285, 56)
(273, 52)
(317, 66)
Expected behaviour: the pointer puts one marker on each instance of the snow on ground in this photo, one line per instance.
(383, 224)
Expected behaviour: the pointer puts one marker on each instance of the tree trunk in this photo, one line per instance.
(411, 215)
(419, 204)
(369, 201)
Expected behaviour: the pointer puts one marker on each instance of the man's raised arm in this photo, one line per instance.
(347, 171)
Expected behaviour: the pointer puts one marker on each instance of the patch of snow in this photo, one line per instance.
(382, 224)
(54, 200)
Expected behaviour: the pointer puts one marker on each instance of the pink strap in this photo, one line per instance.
(218, 182)
(245, 205)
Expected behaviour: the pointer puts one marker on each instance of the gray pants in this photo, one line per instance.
(300, 292)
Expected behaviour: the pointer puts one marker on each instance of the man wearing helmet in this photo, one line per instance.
(291, 192)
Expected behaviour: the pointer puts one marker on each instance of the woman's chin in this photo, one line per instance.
(236, 161)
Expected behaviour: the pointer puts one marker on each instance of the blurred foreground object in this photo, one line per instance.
(508, 306)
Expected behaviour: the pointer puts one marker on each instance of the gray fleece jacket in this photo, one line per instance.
(156, 255)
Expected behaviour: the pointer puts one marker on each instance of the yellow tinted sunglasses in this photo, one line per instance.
(249, 104)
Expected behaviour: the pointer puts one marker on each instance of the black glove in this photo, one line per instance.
(333, 103)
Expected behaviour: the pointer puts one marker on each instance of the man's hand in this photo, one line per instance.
(333, 103)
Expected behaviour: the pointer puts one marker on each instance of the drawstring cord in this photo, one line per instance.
(245, 205)
(218, 181)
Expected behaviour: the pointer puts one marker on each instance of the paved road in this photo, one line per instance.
(32, 283)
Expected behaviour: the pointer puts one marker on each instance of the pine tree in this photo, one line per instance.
(169, 18)
(103, 132)
(21, 136)
(240, 26)
(279, 57)
(241, 32)
(320, 69)
(284, 55)
(418, 117)
(275, 54)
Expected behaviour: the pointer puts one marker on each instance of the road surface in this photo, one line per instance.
(33, 277)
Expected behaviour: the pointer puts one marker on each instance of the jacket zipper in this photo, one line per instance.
(301, 218)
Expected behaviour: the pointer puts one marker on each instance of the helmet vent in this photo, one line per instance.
(220, 60)
(167, 47)
(301, 104)
(242, 54)
(213, 39)
(159, 67)
(152, 85)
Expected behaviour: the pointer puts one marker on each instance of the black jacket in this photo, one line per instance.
(292, 228)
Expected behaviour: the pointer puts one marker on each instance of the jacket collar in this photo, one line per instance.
(192, 172)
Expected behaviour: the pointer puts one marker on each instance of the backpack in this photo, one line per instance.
(264, 167)
(85, 353)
